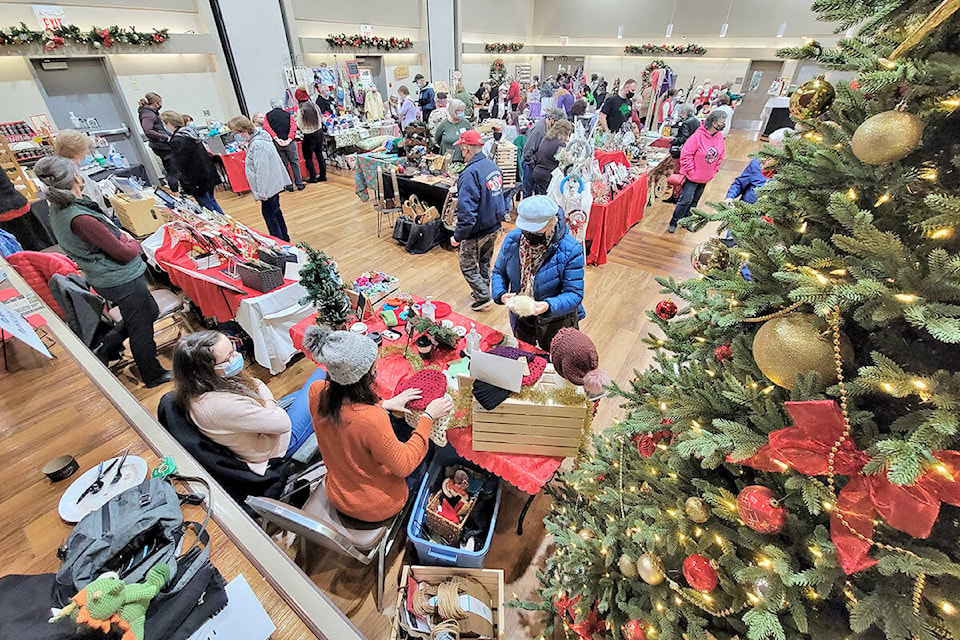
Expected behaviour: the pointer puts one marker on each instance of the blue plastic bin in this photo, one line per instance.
(433, 554)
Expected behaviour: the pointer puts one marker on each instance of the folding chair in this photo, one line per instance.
(387, 206)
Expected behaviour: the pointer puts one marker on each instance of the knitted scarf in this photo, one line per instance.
(531, 259)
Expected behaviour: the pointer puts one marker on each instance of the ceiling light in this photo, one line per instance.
(620, 32)
(726, 23)
(669, 30)
(782, 30)
(672, 16)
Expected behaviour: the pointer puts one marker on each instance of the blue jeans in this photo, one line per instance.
(299, 412)
(273, 216)
(689, 198)
(207, 201)
(527, 179)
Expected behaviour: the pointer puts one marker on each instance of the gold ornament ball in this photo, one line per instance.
(627, 566)
(790, 344)
(585, 534)
(812, 99)
(650, 569)
(697, 510)
(887, 137)
(709, 255)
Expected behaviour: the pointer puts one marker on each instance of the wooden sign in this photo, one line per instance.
(401, 72)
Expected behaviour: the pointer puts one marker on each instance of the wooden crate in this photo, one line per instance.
(139, 217)
(527, 427)
(8, 163)
(491, 579)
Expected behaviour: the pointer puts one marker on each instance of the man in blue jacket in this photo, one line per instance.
(480, 210)
(540, 259)
(755, 175)
(428, 98)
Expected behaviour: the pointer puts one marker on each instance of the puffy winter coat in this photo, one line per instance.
(702, 155)
(37, 268)
(197, 170)
(480, 204)
(685, 130)
(748, 182)
(559, 282)
(157, 134)
(265, 171)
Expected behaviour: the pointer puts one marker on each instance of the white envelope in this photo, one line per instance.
(498, 371)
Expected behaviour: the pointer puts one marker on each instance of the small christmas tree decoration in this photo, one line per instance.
(790, 344)
(759, 509)
(628, 566)
(635, 630)
(812, 99)
(666, 309)
(887, 137)
(700, 573)
(710, 255)
(650, 569)
(696, 509)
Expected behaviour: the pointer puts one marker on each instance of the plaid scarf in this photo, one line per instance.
(531, 259)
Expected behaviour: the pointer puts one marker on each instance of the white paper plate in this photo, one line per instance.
(133, 472)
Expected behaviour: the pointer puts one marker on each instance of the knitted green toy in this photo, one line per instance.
(108, 601)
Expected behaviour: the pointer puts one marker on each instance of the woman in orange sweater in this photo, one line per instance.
(367, 465)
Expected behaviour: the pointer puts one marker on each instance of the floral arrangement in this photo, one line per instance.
(96, 37)
(503, 47)
(498, 70)
(369, 42)
(656, 64)
(373, 284)
(665, 50)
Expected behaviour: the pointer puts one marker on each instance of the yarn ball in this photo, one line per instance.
(523, 306)
(431, 382)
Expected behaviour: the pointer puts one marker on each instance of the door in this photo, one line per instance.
(377, 72)
(82, 87)
(761, 75)
(553, 65)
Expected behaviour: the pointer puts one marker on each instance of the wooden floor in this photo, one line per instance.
(329, 216)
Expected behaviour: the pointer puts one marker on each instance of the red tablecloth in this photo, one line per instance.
(661, 143)
(526, 472)
(606, 157)
(214, 301)
(610, 222)
(235, 165)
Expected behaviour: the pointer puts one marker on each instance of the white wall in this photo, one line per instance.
(258, 41)
(21, 96)
(497, 20)
(179, 16)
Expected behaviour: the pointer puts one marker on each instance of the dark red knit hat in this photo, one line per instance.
(301, 95)
(575, 358)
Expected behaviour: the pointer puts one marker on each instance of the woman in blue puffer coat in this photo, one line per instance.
(541, 260)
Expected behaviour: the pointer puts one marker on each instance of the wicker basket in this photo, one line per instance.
(262, 280)
(442, 527)
(277, 259)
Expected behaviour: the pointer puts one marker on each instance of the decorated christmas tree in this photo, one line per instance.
(789, 466)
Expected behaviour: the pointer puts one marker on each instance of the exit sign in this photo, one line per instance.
(49, 16)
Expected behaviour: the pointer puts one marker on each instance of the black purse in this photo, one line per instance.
(401, 229)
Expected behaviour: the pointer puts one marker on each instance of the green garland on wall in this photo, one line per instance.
(365, 42)
(665, 50)
(96, 37)
(503, 47)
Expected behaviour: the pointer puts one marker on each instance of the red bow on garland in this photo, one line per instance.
(818, 424)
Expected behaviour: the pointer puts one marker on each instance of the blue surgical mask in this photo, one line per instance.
(460, 116)
(238, 137)
(86, 160)
(232, 367)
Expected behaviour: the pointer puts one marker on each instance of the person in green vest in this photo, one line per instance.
(110, 260)
(451, 128)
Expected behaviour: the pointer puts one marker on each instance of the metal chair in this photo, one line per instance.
(318, 522)
(387, 206)
(449, 214)
(171, 307)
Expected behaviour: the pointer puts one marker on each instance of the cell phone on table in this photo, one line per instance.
(390, 334)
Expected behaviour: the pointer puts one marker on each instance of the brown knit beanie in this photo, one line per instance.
(575, 358)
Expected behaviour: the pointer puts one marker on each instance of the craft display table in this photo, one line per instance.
(529, 473)
(610, 222)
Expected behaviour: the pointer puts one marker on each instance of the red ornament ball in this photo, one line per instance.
(700, 573)
(759, 510)
(646, 445)
(723, 352)
(666, 309)
(635, 630)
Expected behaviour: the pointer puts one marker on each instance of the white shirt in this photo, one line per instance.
(729, 111)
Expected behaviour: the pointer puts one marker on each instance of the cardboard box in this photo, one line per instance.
(140, 217)
(491, 579)
(527, 427)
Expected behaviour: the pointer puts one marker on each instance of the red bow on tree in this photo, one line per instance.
(586, 629)
(818, 424)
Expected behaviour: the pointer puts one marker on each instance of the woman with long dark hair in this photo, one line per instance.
(308, 121)
(370, 472)
(232, 407)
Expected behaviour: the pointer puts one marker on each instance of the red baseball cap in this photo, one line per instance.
(471, 138)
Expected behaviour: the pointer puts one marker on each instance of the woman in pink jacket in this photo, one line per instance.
(700, 161)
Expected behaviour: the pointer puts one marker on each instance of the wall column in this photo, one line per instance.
(443, 31)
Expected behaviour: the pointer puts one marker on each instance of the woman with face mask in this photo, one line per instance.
(451, 128)
(233, 408)
(541, 261)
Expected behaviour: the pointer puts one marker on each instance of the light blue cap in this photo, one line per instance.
(535, 212)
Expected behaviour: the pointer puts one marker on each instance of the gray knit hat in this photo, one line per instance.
(347, 356)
